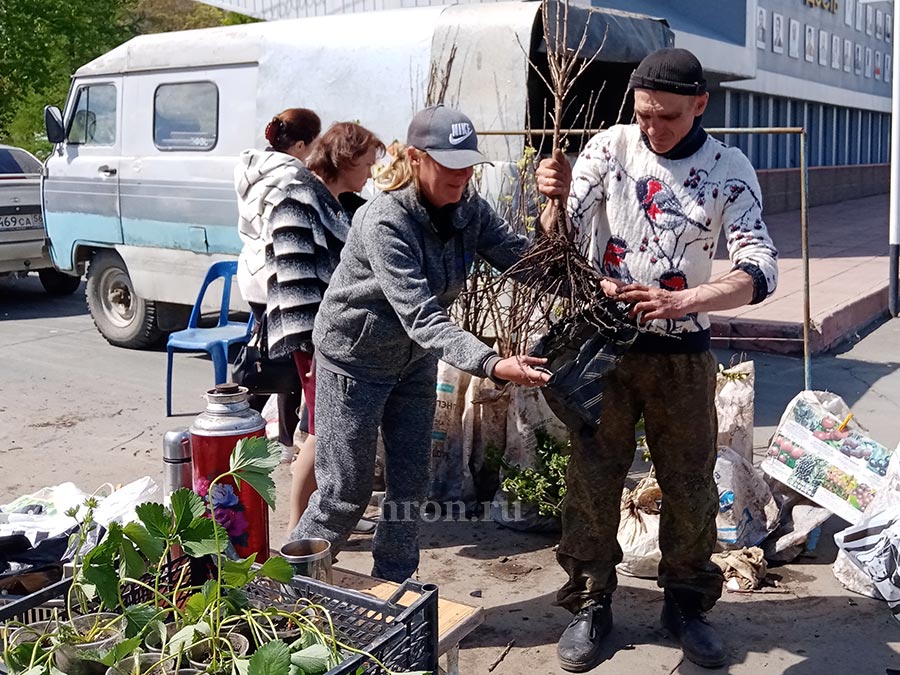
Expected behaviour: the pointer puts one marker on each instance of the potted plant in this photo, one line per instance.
(168, 620)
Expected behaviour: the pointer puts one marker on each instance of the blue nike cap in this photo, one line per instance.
(447, 136)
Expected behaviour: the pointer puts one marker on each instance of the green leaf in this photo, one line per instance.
(199, 538)
(277, 568)
(195, 606)
(187, 506)
(138, 617)
(188, 636)
(237, 600)
(120, 650)
(237, 572)
(104, 552)
(18, 657)
(135, 565)
(241, 666)
(314, 660)
(273, 658)
(106, 581)
(156, 518)
(253, 460)
(147, 544)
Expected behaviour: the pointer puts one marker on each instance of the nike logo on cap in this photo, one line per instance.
(459, 132)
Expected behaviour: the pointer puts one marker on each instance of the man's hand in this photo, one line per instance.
(611, 286)
(554, 176)
(654, 303)
(519, 369)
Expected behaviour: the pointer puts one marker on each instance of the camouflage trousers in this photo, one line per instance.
(676, 395)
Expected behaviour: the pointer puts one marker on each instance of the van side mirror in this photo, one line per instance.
(56, 133)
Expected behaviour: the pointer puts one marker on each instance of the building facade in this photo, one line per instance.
(825, 65)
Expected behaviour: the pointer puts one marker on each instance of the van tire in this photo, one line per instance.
(124, 318)
(58, 283)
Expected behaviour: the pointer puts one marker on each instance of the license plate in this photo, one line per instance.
(25, 221)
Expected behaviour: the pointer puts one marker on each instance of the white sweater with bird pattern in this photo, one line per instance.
(641, 217)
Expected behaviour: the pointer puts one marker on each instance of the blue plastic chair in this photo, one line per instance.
(214, 341)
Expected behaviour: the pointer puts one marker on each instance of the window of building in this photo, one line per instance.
(843, 136)
(93, 121)
(186, 116)
(759, 143)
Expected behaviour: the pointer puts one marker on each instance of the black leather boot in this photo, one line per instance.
(580, 646)
(682, 616)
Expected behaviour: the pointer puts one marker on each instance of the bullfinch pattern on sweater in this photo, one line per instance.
(644, 218)
(309, 229)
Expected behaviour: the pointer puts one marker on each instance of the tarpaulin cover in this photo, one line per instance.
(613, 36)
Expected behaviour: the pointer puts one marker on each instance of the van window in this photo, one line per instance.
(15, 161)
(186, 116)
(94, 119)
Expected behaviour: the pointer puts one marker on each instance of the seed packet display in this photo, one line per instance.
(835, 465)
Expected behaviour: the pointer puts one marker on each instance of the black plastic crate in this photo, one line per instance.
(401, 638)
(41, 605)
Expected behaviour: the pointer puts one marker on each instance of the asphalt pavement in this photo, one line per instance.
(75, 408)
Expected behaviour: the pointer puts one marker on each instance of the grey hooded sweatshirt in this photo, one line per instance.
(387, 303)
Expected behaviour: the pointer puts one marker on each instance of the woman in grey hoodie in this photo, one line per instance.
(382, 326)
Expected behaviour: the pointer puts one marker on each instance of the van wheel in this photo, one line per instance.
(124, 318)
(57, 283)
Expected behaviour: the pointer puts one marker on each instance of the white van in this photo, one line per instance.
(139, 187)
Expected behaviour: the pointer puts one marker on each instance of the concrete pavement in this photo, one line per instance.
(75, 408)
(848, 268)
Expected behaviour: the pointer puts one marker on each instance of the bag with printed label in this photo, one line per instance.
(747, 510)
(450, 477)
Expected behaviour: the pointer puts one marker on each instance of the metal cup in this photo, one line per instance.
(309, 558)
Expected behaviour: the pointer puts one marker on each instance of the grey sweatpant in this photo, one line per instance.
(349, 412)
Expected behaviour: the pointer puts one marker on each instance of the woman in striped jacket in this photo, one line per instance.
(309, 228)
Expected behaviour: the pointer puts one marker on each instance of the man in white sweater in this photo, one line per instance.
(647, 202)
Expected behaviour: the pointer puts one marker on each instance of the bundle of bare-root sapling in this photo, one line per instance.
(559, 291)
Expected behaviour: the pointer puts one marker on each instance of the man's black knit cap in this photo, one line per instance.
(671, 69)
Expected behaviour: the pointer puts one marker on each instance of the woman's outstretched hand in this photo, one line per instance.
(522, 370)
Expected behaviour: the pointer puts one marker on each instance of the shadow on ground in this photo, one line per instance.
(800, 635)
(25, 298)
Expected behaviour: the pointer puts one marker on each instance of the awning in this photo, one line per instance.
(628, 37)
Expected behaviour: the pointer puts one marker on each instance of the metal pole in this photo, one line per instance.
(894, 238)
(804, 252)
(585, 132)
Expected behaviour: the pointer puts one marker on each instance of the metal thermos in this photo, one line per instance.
(177, 470)
(242, 512)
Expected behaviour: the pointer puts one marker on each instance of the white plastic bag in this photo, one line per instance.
(119, 506)
(747, 511)
(41, 514)
(734, 408)
(847, 567)
(270, 415)
(638, 534)
(873, 545)
(852, 577)
(797, 518)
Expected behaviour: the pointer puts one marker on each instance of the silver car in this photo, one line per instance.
(23, 242)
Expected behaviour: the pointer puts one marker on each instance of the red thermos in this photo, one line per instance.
(214, 433)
